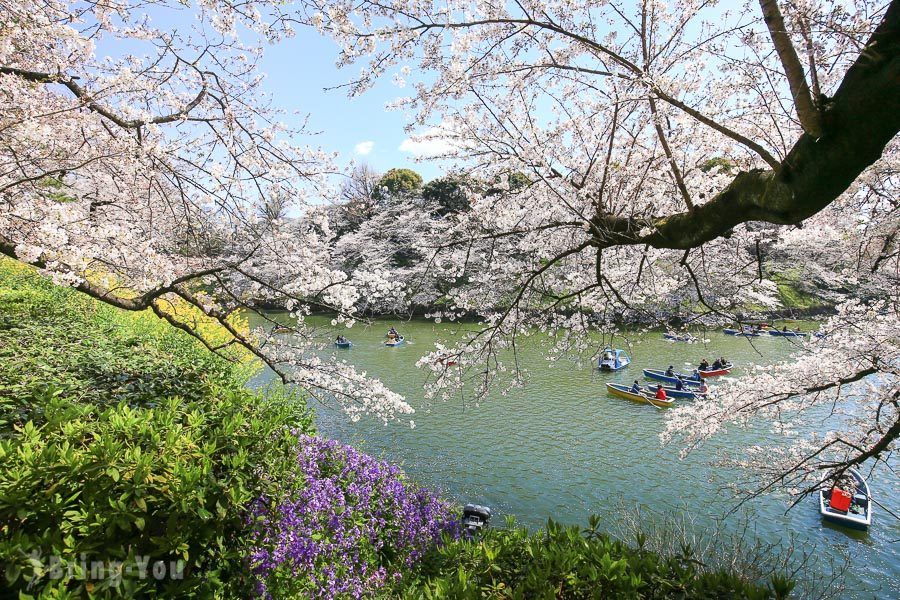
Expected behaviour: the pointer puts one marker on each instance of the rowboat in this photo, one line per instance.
(394, 342)
(716, 372)
(849, 504)
(673, 393)
(346, 344)
(623, 391)
(661, 376)
(777, 333)
(679, 337)
(741, 333)
(613, 360)
(281, 329)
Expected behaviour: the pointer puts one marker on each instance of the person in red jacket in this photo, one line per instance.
(661, 393)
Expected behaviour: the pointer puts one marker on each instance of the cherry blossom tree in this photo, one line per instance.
(145, 167)
(670, 148)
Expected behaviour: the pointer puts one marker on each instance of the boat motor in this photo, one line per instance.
(475, 517)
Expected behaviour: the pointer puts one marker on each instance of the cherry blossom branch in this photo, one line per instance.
(86, 97)
(864, 117)
(807, 111)
(741, 139)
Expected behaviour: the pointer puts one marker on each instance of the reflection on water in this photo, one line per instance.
(560, 447)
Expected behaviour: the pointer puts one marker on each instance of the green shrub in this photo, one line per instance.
(568, 562)
(123, 441)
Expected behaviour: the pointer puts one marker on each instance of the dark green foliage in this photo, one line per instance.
(122, 439)
(449, 193)
(568, 562)
(399, 182)
(516, 181)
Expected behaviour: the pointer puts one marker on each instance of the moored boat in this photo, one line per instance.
(623, 391)
(848, 502)
(674, 393)
(661, 376)
(613, 360)
(476, 517)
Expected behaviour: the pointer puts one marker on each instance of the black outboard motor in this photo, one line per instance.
(475, 517)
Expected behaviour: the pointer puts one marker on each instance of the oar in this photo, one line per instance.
(884, 508)
(647, 398)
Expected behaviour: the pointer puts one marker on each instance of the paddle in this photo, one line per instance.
(647, 398)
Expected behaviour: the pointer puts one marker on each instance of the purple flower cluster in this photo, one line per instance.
(351, 527)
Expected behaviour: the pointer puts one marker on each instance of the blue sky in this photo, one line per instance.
(298, 71)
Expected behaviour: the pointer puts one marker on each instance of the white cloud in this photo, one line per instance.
(430, 143)
(364, 147)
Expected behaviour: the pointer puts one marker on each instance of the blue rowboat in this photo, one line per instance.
(673, 393)
(741, 333)
(395, 342)
(661, 376)
(858, 512)
(777, 333)
(613, 360)
(346, 344)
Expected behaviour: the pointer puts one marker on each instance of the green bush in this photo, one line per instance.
(123, 443)
(568, 562)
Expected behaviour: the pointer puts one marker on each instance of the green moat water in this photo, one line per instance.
(561, 447)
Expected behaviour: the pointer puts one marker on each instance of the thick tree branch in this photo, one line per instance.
(863, 117)
(807, 112)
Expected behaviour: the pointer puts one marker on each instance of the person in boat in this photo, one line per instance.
(797, 329)
(724, 362)
(670, 372)
(784, 329)
(704, 365)
(717, 364)
(635, 387)
(340, 339)
(679, 383)
(696, 375)
(392, 332)
(661, 393)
